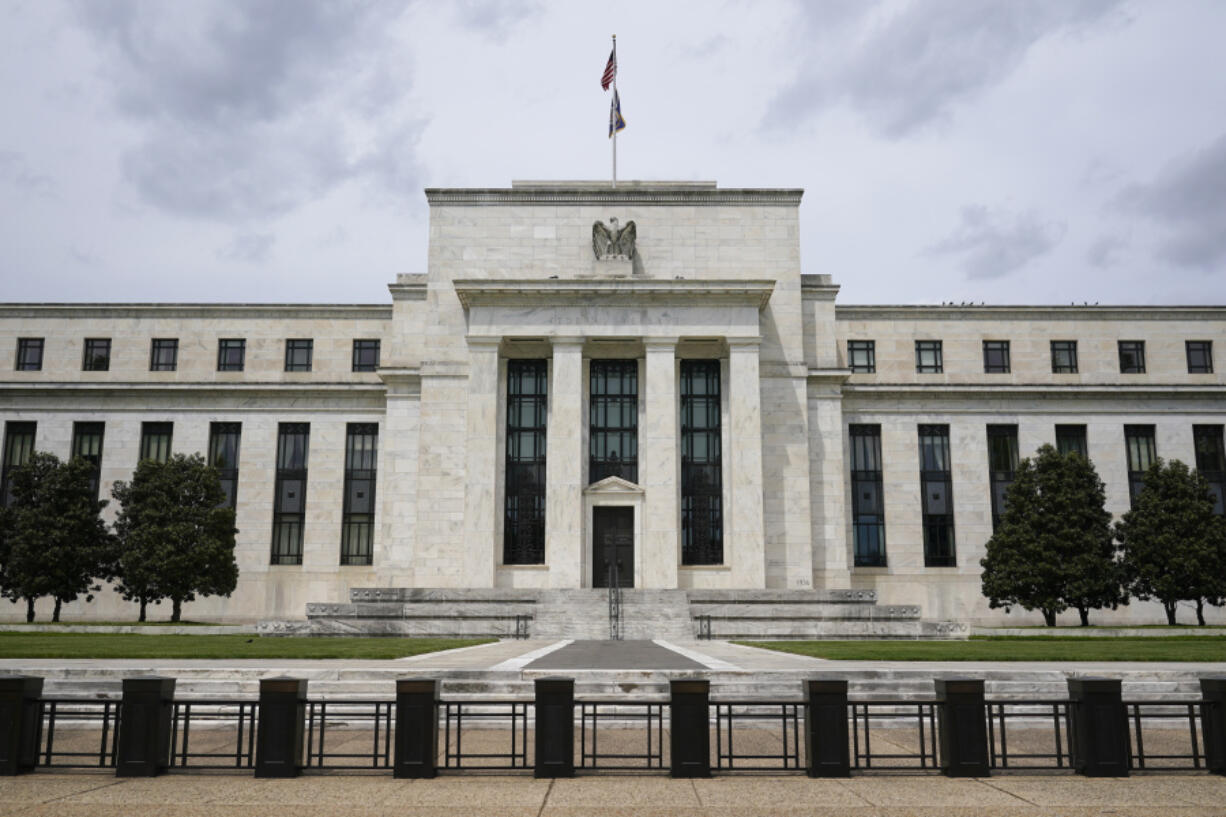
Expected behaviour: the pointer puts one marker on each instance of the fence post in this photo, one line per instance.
(144, 726)
(826, 728)
(690, 722)
(1100, 742)
(279, 739)
(962, 723)
(416, 729)
(1213, 722)
(21, 723)
(555, 727)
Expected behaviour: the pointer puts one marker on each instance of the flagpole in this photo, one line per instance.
(614, 124)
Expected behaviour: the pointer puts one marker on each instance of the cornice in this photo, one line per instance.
(613, 292)
(1034, 391)
(1029, 313)
(11, 387)
(210, 311)
(409, 287)
(659, 197)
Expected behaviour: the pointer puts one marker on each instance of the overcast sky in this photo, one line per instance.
(276, 150)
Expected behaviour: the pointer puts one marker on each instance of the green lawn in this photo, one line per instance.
(123, 645)
(1013, 648)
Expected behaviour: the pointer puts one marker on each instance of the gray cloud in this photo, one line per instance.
(903, 70)
(494, 16)
(1188, 201)
(247, 110)
(1106, 251)
(992, 244)
(251, 248)
(16, 170)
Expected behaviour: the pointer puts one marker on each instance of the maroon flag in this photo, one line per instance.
(610, 70)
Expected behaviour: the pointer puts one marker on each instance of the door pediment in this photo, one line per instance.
(613, 486)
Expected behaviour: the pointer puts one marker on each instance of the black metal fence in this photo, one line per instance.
(1093, 731)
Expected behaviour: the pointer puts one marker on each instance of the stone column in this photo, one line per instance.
(828, 476)
(395, 542)
(481, 552)
(564, 466)
(744, 539)
(660, 550)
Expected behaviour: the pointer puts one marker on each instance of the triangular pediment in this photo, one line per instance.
(613, 485)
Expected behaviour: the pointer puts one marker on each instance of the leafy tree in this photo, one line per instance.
(176, 541)
(1053, 548)
(56, 543)
(1172, 541)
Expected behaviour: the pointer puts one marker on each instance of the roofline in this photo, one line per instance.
(660, 196)
(1027, 312)
(191, 310)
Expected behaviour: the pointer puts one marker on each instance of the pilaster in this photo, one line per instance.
(481, 551)
(658, 468)
(744, 538)
(564, 537)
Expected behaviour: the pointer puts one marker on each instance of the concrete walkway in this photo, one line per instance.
(179, 795)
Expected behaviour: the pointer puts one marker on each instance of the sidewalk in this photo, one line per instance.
(99, 795)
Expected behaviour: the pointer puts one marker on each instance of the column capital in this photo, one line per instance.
(660, 344)
(483, 342)
(751, 344)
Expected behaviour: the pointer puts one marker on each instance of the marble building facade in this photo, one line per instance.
(698, 409)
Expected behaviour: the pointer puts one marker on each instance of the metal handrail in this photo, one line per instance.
(615, 601)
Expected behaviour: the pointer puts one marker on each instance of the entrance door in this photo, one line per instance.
(612, 543)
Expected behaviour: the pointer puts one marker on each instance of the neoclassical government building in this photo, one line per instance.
(562, 395)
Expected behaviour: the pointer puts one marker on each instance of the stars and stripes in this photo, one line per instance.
(610, 70)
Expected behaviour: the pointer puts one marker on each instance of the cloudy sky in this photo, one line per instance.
(1007, 151)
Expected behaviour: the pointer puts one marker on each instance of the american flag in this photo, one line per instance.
(610, 70)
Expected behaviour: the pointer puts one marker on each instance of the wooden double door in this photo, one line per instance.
(612, 544)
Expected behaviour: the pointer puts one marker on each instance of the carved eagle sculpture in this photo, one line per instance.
(612, 242)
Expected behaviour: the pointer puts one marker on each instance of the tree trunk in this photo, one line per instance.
(56, 615)
(29, 609)
(1084, 612)
(1170, 612)
(1200, 612)
(1049, 618)
(144, 602)
(178, 608)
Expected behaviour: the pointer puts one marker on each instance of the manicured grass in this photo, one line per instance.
(124, 645)
(1013, 648)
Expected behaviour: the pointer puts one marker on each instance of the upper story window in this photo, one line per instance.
(613, 420)
(29, 354)
(862, 356)
(298, 352)
(1200, 356)
(1064, 357)
(97, 356)
(996, 356)
(231, 354)
(928, 357)
(365, 355)
(1132, 357)
(164, 355)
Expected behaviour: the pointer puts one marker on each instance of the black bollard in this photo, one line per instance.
(21, 723)
(282, 731)
(1100, 741)
(416, 729)
(555, 727)
(690, 719)
(963, 727)
(144, 726)
(826, 728)
(1213, 722)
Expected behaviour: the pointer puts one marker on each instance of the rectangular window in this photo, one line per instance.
(164, 355)
(1132, 357)
(298, 353)
(97, 357)
(18, 446)
(613, 421)
(231, 354)
(365, 355)
(29, 354)
(1072, 439)
(1002, 465)
(155, 441)
(523, 530)
(1211, 462)
(1064, 357)
(702, 512)
(289, 503)
(928, 357)
(87, 444)
(996, 356)
(936, 481)
(1142, 451)
(862, 356)
(357, 526)
(223, 455)
(1200, 356)
(868, 502)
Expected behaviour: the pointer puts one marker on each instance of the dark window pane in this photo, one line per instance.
(1142, 451)
(298, 354)
(862, 356)
(29, 354)
(231, 354)
(18, 446)
(289, 500)
(523, 531)
(365, 355)
(87, 444)
(357, 526)
(1200, 356)
(223, 455)
(1072, 439)
(996, 356)
(164, 355)
(929, 357)
(702, 519)
(868, 503)
(1211, 461)
(1132, 356)
(613, 420)
(1002, 465)
(936, 491)
(1064, 356)
(97, 356)
(155, 441)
